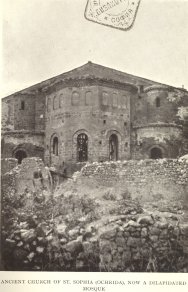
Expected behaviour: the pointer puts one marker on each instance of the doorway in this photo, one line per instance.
(113, 147)
(20, 155)
(156, 153)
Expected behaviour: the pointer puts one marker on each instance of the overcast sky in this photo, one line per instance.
(44, 38)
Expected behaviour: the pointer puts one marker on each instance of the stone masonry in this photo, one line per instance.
(94, 113)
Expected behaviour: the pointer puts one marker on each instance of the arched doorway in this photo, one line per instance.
(82, 147)
(156, 153)
(20, 155)
(113, 147)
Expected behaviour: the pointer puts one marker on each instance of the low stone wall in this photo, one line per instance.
(143, 245)
(145, 179)
(7, 164)
(147, 244)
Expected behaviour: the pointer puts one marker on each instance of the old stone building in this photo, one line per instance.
(94, 113)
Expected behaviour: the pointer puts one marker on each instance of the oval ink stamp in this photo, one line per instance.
(115, 13)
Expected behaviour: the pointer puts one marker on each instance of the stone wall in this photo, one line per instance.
(145, 244)
(166, 137)
(32, 143)
(144, 179)
(97, 111)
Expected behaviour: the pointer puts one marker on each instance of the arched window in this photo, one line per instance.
(158, 102)
(88, 98)
(105, 98)
(113, 147)
(55, 102)
(55, 146)
(75, 98)
(61, 100)
(156, 153)
(115, 99)
(124, 101)
(48, 104)
(82, 147)
(20, 155)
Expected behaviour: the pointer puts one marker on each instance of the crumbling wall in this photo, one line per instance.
(143, 179)
(145, 244)
(31, 175)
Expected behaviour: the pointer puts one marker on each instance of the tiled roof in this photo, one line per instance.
(91, 70)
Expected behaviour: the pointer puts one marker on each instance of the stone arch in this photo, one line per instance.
(81, 146)
(156, 152)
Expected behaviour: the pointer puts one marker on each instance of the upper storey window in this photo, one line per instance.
(61, 97)
(158, 102)
(115, 99)
(124, 101)
(75, 98)
(22, 105)
(140, 89)
(48, 104)
(105, 98)
(55, 102)
(88, 98)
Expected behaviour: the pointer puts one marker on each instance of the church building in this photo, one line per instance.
(94, 113)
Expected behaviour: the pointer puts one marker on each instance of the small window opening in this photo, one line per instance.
(22, 105)
(55, 146)
(104, 122)
(141, 88)
(158, 102)
(125, 123)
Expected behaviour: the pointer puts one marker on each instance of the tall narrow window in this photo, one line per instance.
(140, 88)
(124, 101)
(105, 98)
(61, 100)
(22, 105)
(88, 98)
(55, 146)
(82, 147)
(48, 104)
(158, 102)
(55, 102)
(115, 99)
